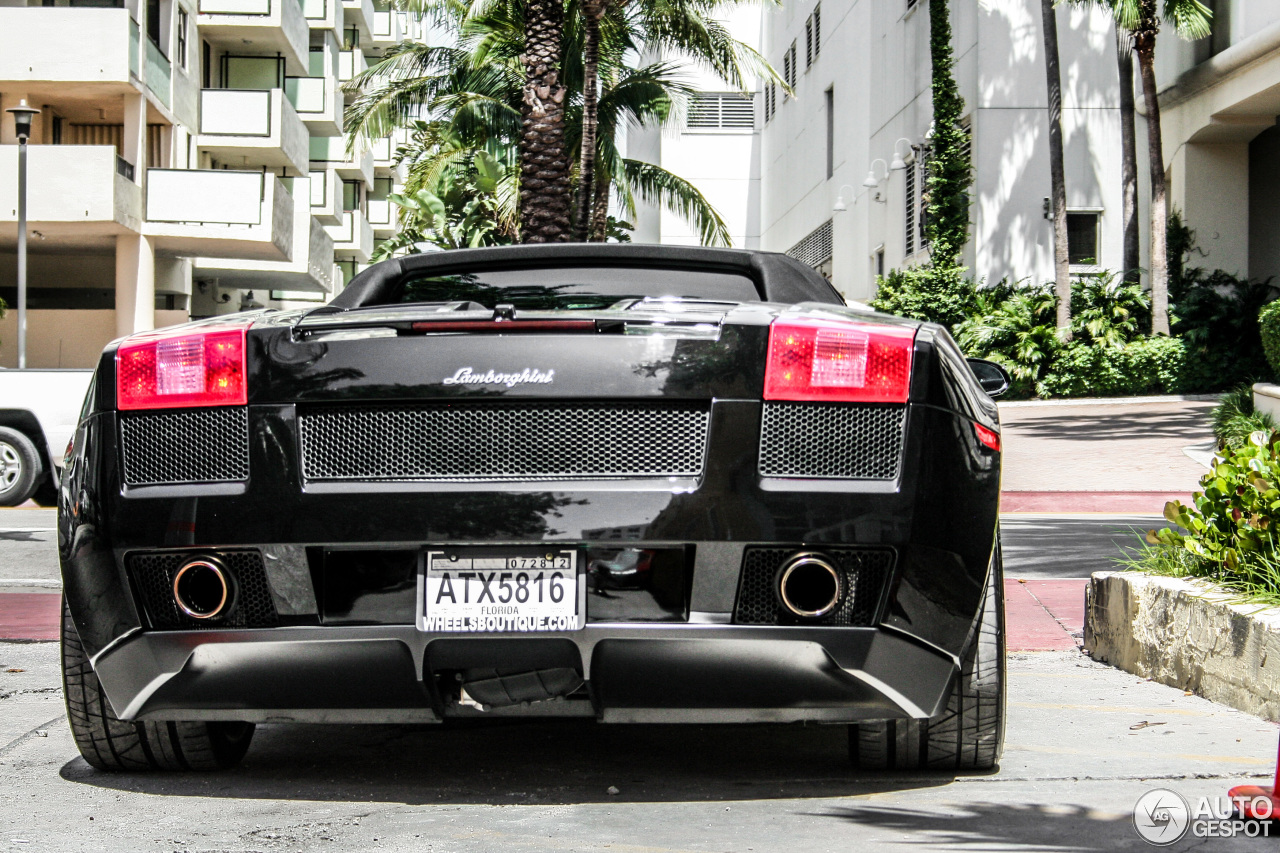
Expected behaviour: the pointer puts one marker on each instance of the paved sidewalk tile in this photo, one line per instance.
(1029, 627)
(1126, 447)
(1064, 599)
(29, 615)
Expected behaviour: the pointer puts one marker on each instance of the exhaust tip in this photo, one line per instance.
(809, 586)
(202, 589)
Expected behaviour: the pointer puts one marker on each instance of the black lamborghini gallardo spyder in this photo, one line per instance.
(632, 483)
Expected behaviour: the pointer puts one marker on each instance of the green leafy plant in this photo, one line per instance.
(950, 171)
(1230, 528)
(1234, 419)
(1107, 310)
(1013, 326)
(936, 294)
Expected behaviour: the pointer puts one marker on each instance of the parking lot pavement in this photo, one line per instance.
(1084, 742)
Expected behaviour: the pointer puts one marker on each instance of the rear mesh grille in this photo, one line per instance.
(865, 572)
(509, 442)
(832, 440)
(152, 578)
(195, 446)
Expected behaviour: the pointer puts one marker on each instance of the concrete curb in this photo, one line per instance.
(1186, 633)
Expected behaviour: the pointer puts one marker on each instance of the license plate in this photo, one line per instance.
(475, 590)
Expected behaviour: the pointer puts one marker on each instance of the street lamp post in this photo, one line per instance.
(22, 115)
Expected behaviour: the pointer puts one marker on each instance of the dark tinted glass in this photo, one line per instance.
(1082, 238)
(580, 288)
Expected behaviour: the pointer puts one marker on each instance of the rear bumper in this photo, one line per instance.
(650, 673)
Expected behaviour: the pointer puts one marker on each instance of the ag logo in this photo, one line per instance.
(1161, 817)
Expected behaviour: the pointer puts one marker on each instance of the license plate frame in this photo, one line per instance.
(484, 605)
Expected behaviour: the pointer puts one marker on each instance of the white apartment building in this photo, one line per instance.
(861, 74)
(187, 160)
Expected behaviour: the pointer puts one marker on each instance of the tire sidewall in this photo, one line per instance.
(29, 458)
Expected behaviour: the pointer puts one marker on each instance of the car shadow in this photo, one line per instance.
(1000, 826)
(544, 762)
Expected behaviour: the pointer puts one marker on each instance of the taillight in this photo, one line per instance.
(182, 370)
(838, 361)
(989, 437)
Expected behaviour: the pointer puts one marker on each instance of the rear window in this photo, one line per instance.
(576, 288)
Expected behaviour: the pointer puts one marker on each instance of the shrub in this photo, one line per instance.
(1012, 326)
(1107, 310)
(1154, 365)
(1230, 526)
(1269, 331)
(939, 295)
(1234, 418)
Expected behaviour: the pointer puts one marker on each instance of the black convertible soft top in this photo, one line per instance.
(777, 277)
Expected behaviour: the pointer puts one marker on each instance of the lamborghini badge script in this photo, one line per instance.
(467, 376)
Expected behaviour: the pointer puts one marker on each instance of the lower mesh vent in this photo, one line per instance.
(832, 440)
(152, 578)
(558, 441)
(864, 573)
(195, 446)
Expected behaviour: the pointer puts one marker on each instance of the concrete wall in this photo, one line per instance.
(58, 338)
(94, 44)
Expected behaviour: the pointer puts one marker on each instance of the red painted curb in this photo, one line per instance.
(29, 615)
(1029, 626)
(1116, 502)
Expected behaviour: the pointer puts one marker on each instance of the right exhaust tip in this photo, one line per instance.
(809, 586)
(203, 589)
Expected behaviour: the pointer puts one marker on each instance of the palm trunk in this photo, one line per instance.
(600, 212)
(1129, 160)
(1145, 46)
(544, 162)
(583, 208)
(1057, 172)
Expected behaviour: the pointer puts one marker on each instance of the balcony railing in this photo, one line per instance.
(383, 25)
(235, 7)
(307, 94)
(158, 72)
(235, 112)
(380, 212)
(135, 44)
(350, 63)
(204, 196)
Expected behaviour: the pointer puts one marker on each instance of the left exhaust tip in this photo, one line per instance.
(203, 589)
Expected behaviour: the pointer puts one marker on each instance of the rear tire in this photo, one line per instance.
(969, 733)
(109, 743)
(20, 467)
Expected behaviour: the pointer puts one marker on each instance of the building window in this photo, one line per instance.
(817, 30)
(879, 261)
(718, 110)
(911, 4)
(830, 98)
(206, 65)
(153, 23)
(815, 250)
(789, 66)
(808, 43)
(1082, 238)
(182, 39)
(350, 38)
(768, 94)
(352, 195)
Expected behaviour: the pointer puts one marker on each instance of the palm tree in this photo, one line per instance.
(472, 92)
(683, 27)
(1057, 172)
(1128, 159)
(1191, 19)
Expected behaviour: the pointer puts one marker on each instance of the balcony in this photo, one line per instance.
(384, 154)
(75, 193)
(382, 218)
(219, 213)
(311, 267)
(350, 63)
(93, 48)
(331, 153)
(323, 14)
(268, 25)
(386, 29)
(359, 14)
(325, 187)
(256, 126)
(354, 237)
(318, 103)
